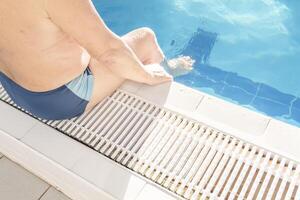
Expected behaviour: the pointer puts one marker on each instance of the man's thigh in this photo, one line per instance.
(105, 83)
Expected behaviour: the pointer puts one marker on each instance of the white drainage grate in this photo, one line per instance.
(186, 157)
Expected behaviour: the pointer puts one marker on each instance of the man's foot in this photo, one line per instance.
(180, 65)
(184, 62)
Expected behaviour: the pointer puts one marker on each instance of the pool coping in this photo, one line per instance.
(57, 168)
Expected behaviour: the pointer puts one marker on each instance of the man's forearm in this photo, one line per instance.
(122, 61)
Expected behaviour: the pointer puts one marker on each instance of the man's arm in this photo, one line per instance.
(79, 19)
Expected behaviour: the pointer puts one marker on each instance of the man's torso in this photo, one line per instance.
(34, 52)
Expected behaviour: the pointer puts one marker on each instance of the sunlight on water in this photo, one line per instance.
(256, 38)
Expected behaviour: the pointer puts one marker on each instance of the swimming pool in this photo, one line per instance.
(246, 53)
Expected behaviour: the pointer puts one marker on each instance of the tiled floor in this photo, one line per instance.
(17, 183)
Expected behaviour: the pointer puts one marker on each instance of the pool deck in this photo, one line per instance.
(17, 183)
(84, 174)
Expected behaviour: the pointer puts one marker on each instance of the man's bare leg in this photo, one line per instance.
(144, 44)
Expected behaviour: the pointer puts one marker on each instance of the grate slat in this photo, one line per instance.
(251, 169)
(260, 176)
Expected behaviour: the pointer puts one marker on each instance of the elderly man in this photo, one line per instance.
(58, 59)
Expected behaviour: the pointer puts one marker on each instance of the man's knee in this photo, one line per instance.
(148, 33)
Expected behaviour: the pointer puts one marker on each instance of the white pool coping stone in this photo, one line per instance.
(75, 169)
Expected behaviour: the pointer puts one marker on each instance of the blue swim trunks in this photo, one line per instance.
(65, 102)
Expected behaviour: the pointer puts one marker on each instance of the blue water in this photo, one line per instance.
(245, 52)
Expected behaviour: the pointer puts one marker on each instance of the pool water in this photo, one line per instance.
(247, 52)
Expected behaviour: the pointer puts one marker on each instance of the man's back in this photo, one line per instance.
(34, 52)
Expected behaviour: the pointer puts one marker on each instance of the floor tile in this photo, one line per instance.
(172, 95)
(109, 176)
(150, 193)
(234, 116)
(15, 122)
(53, 194)
(237, 94)
(234, 80)
(54, 144)
(204, 78)
(207, 83)
(295, 114)
(274, 94)
(296, 103)
(18, 184)
(272, 108)
(212, 73)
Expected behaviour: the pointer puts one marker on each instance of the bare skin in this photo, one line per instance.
(46, 43)
(144, 44)
(34, 52)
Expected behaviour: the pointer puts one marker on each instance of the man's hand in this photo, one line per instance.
(156, 74)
